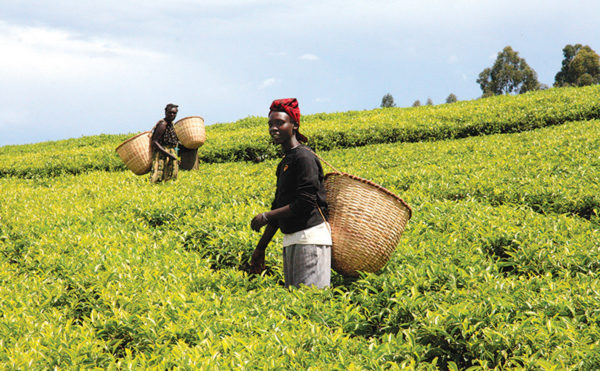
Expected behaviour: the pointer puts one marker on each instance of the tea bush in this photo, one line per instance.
(497, 269)
(551, 170)
(248, 140)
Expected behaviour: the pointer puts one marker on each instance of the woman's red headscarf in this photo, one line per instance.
(289, 106)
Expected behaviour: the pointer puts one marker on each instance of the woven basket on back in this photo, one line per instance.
(366, 222)
(190, 131)
(136, 153)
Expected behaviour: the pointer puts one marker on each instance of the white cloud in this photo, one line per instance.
(57, 54)
(99, 56)
(309, 57)
(268, 82)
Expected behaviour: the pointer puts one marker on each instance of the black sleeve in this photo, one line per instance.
(277, 172)
(273, 205)
(274, 222)
(307, 185)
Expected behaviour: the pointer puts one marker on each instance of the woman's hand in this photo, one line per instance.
(257, 263)
(259, 221)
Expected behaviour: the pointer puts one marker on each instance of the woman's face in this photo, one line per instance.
(281, 127)
(170, 114)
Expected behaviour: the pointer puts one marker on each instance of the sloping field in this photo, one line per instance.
(247, 139)
(498, 268)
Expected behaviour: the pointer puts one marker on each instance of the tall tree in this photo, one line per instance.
(509, 74)
(429, 102)
(451, 98)
(387, 101)
(581, 66)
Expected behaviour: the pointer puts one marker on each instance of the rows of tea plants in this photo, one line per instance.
(552, 169)
(106, 270)
(247, 139)
(70, 156)
(500, 114)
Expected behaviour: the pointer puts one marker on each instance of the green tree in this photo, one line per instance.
(451, 98)
(509, 74)
(416, 103)
(429, 102)
(387, 101)
(580, 67)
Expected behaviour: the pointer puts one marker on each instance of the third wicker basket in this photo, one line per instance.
(136, 153)
(190, 131)
(366, 222)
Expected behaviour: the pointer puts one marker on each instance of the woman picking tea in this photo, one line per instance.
(299, 206)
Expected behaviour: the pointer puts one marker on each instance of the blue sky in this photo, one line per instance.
(75, 68)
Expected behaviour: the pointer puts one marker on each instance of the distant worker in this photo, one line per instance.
(165, 164)
(299, 207)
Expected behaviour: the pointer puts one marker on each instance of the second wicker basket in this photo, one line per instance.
(190, 131)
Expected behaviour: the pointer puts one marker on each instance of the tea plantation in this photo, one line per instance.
(499, 267)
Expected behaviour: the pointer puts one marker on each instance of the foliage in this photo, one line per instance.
(580, 67)
(451, 98)
(429, 102)
(509, 74)
(387, 101)
(496, 170)
(416, 103)
(498, 267)
(248, 140)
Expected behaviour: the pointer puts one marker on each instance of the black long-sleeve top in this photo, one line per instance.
(300, 184)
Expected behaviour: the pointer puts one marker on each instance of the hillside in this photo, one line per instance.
(498, 268)
(247, 139)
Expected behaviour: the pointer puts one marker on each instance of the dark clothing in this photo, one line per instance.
(169, 138)
(300, 184)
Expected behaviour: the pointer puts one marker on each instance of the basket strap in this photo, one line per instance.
(334, 169)
(324, 220)
(327, 163)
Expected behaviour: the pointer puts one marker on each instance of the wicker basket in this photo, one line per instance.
(136, 153)
(366, 222)
(190, 131)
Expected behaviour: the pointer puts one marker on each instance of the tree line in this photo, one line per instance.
(510, 74)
